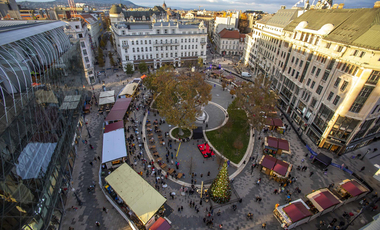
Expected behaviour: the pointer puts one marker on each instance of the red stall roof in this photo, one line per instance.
(269, 121)
(143, 76)
(160, 224)
(353, 188)
(283, 144)
(281, 167)
(278, 122)
(114, 126)
(297, 211)
(326, 199)
(272, 142)
(119, 109)
(268, 162)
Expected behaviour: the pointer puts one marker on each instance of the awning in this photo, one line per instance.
(354, 188)
(281, 167)
(138, 194)
(297, 211)
(272, 142)
(110, 93)
(45, 96)
(114, 126)
(160, 224)
(122, 104)
(106, 100)
(323, 159)
(114, 145)
(268, 162)
(283, 144)
(129, 89)
(143, 76)
(115, 115)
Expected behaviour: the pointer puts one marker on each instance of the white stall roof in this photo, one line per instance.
(114, 145)
(109, 93)
(106, 100)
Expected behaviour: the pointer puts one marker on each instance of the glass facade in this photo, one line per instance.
(37, 137)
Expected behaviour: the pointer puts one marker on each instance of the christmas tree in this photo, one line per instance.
(220, 190)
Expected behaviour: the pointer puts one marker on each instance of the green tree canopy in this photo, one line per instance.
(220, 190)
(179, 97)
(128, 68)
(143, 67)
(258, 100)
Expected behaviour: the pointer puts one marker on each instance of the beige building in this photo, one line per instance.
(229, 42)
(325, 66)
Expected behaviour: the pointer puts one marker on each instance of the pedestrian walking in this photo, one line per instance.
(91, 146)
(97, 224)
(264, 225)
(208, 174)
(91, 163)
(362, 169)
(311, 173)
(105, 210)
(99, 158)
(179, 209)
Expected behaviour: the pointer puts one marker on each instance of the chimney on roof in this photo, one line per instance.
(283, 7)
(341, 6)
(377, 4)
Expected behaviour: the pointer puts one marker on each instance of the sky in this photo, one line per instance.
(270, 6)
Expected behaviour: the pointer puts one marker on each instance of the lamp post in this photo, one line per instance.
(365, 154)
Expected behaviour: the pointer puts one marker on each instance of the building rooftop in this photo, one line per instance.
(229, 34)
(283, 17)
(358, 27)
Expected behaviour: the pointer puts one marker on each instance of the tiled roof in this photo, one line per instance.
(229, 34)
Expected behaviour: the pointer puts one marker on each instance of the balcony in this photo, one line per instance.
(167, 44)
(203, 43)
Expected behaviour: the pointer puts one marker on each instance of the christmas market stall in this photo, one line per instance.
(114, 150)
(106, 100)
(275, 124)
(161, 224)
(322, 201)
(276, 146)
(293, 214)
(278, 170)
(350, 190)
(135, 196)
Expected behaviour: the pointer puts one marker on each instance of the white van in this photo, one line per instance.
(245, 74)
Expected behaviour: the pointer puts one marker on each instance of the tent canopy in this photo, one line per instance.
(110, 93)
(138, 194)
(119, 109)
(129, 89)
(198, 133)
(297, 211)
(160, 224)
(354, 188)
(323, 159)
(114, 145)
(278, 122)
(268, 162)
(269, 121)
(114, 126)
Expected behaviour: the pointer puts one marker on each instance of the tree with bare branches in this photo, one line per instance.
(258, 100)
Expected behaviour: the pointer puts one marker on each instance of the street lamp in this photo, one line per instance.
(365, 154)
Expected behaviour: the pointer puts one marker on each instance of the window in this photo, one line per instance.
(318, 72)
(181, 47)
(138, 57)
(362, 54)
(150, 42)
(328, 45)
(344, 85)
(355, 53)
(158, 31)
(331, 94)
(361, 98)
(301, 63)
(319, 90)
(76, 27)
(86, 59)
(138, 50)
(134, 57)
(127, 58)
(156, 48)
(80, 35)
(374, 77)
(165, 31)
(133, 50)
(173, 31)
(312, 84)
(374, 110)
(133, 42)
(175, 54)
(84, 52)
(137, 42)
(337, 82)
(313, 70)
(326, 75)
(82, 44)
(336, 100)
(340, 48)
(308, 82)
(151, 56)
(150, 49)
(297, 74)
(162, 48)
(181, 39)
(156, 55)
(292, 59)
(297, 61)
(313, 102)
(293, 72)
